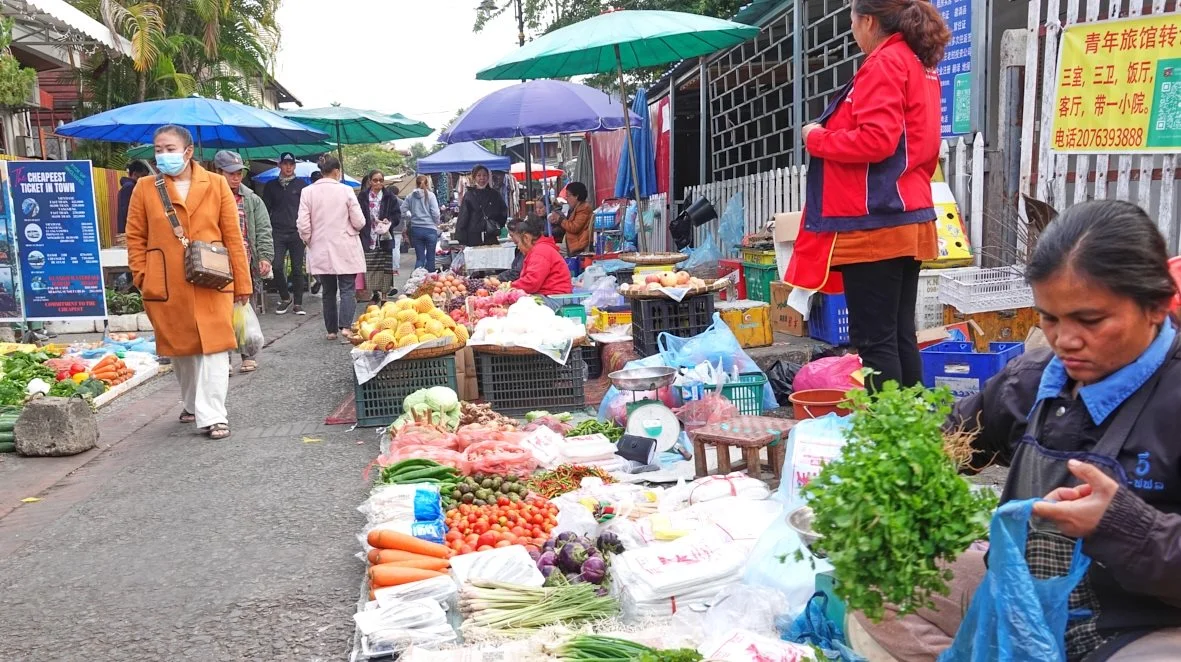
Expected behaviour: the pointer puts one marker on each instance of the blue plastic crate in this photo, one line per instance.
(964, 371)
(829, 319)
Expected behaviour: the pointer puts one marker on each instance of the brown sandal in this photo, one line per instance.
(248, 365)
(218, 431)
(186, 417)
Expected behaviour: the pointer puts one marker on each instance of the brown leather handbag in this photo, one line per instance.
(206, 264)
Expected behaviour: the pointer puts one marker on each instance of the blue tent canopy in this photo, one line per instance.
(461, 157)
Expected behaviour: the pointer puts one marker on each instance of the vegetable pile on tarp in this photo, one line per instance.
(565, 478)
(571, 559)
(597, 647)
(508, 608)
(559, 423)
(892, 508)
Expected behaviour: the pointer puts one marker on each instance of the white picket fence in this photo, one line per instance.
(1065, 179)
(783, 190)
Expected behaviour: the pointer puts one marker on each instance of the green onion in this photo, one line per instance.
(501, 606)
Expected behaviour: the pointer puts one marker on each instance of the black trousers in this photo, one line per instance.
(289, 244)
(881, 298)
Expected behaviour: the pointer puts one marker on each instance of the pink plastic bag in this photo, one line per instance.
(713, 408)
(829, 372)
(360, 282)
(495, 456)
(423, 435)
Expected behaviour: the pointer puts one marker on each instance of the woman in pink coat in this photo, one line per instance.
(330, 222)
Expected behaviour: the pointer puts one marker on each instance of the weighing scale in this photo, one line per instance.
(647, 419)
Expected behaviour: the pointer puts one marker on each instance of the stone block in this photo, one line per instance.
(55, 426)
(123, 323)
(142, 323)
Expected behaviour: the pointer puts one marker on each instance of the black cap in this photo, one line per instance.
(286, 156)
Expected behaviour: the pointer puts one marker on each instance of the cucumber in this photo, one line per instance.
(437, 473)
(7, 437)
(7, 447)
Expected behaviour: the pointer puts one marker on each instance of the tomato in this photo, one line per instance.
(518, 531)
(452, 536)
(466, 549)
(503, 543)
(471, 539)
(502, 501)
(483, 548)
(487, 539)
(536, 532)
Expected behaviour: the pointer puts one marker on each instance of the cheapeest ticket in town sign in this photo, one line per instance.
(1119, 87)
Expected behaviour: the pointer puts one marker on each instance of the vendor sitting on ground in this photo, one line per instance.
(1089, 424)
(544, 271)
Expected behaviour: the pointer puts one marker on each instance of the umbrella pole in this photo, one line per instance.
(339, 150)
(641, 233)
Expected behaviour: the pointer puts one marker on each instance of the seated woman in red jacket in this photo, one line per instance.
(544, 271)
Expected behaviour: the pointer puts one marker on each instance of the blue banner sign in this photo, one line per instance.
(955, 70)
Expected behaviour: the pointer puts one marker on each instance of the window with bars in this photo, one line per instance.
(752, 88)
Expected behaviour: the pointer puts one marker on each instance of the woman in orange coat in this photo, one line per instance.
(193, 324)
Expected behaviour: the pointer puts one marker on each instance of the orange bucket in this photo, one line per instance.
(817, 402)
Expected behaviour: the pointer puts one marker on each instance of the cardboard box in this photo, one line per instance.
(787, 226)
(465, 375)
(784, 318)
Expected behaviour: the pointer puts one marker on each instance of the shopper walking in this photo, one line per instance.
(423, 208)
(870, 216)
(330, 223)
(192, 323)
(482, 214)
(281, 196)
(256, 230)
(381, 236)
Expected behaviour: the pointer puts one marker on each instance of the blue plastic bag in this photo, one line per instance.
(714, 344)
(1014, 616)
(703, 259)
(733, 224)
(814, 628)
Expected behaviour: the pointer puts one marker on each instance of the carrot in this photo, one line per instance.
(388, 539)
(104, 374)
(426, 563)
(388, 574)
(378, 556)
(108, 360)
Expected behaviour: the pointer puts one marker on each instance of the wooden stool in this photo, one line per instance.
(750, 433)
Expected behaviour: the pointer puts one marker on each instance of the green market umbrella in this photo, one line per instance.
(616, 41)
(351, 126)
(148, 152)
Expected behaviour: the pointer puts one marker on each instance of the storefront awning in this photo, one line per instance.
(64, 17)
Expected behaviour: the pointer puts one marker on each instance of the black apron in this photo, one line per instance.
(1035, 470)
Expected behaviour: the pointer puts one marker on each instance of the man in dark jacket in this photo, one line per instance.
(135, 170)
(281, 196)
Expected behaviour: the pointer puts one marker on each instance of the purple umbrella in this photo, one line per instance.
(537, 108)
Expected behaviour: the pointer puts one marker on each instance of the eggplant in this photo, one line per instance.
(567, 536)
(535, 554)
(609, 542)
(594, 570)
(547, 560)
(572, 556)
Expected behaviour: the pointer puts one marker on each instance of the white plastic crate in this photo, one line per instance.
(974, 290)
(928, 310)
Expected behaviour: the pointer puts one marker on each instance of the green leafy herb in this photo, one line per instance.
(893, 509)
(119, 303)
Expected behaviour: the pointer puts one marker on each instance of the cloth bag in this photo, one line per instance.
(1014, 616)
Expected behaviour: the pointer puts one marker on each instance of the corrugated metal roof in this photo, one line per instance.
(70, 18)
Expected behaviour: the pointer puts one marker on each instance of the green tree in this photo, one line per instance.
(16, 82)
(419, 150)
(545, 16)
(360, 159)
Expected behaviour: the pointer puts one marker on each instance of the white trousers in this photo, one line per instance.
(397, 250)
(204, 381)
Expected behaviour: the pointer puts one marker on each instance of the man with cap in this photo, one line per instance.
(281, 196)
(255, 224)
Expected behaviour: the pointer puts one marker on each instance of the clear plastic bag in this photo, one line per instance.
(756, 607)
(732, 226)
(703, 260)
(247, 330)
(713, 408)
(605, 293)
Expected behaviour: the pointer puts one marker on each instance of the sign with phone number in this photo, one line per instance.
(1119, 87)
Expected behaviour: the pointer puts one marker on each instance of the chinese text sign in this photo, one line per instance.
(1119, 87)
(955, 69)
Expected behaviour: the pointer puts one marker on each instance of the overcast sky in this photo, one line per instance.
(415, 57)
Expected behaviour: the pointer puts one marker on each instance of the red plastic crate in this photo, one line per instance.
(726, 267)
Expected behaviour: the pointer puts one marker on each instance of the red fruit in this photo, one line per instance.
(486, 539)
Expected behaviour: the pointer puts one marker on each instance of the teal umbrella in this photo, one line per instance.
(352, 126)
(615, 41)
(148, 152)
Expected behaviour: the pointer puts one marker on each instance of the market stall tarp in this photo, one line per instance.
(645, 155)
(461, 157)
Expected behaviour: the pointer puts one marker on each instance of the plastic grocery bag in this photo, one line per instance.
(717, 343)
(732, 225)
(1014, 616)
(703, 260)
(829, 372)
(605, 293)
(810, 444)
(813, 627)
(782, 375)
(772, 564)
(247, 330)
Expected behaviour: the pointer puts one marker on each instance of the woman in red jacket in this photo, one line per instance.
(544, 271)
(870, 219)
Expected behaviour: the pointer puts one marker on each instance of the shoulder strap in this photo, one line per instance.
(170, 211)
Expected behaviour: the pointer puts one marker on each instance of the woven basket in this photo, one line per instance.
(519, 351)
(434, 352)
(653, 259)
(712, 286)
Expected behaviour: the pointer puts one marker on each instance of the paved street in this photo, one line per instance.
(163, 544)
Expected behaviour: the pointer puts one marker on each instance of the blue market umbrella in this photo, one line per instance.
(303, 170)
(213, 123)
(537, 108)
(645, 154)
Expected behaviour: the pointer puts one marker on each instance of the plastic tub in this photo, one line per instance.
(817, 402)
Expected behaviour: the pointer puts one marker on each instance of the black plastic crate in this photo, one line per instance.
(515, 384)
(594, 361)
(379, 400)
(684, 319)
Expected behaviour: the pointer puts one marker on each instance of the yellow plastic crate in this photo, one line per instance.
(749, 320)
(605, 319)
(758, 257)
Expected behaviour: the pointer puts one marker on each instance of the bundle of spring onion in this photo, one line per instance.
(585, 647)
(508, 607)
